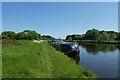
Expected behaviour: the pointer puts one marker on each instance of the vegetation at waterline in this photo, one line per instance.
(95, 35)
(26, 59)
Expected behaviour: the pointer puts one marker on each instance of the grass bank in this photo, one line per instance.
(25, 59)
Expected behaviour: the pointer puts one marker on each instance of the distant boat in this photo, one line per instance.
(55, 41)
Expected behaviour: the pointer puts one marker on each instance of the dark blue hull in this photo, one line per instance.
(74, 53)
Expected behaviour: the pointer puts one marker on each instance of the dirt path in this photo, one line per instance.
(38, 41)
(49, 63)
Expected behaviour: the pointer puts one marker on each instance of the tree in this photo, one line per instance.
(69, 37)
(8, 35)
(28, 34)
(104, 35)
(118, 36)
(112, 35)
(74, 37)
(92, 34)
(95, 34)
(47, 37)
(21, 36)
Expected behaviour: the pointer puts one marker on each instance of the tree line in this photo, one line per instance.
(95, 34)
(25, 35)
(92, 34)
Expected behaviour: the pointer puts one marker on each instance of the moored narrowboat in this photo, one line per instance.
(70, 48)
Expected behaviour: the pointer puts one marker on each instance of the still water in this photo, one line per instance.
(100, 58)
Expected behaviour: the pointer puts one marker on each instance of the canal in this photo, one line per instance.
(100, 58)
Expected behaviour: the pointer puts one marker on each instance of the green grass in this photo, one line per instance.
(25, 59)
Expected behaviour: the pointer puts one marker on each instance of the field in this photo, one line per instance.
(27, 59)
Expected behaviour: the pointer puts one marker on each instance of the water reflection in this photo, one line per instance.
(118, 46)
(96, 48)
(76, 59)
(100, 58)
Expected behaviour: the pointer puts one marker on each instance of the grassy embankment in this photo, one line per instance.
(25, 59)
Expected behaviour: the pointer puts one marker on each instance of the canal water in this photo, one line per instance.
(100, 58)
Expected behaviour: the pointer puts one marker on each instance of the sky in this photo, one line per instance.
(59, 19)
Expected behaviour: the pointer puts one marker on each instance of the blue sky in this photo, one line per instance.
(59, 19)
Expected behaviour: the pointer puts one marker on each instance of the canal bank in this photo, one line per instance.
(32, 60)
